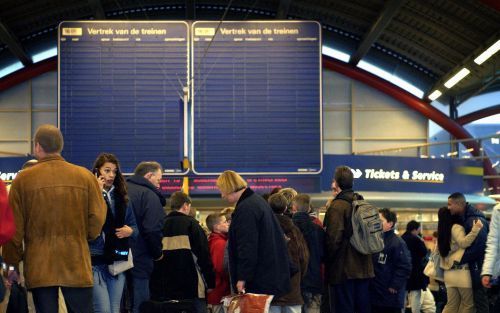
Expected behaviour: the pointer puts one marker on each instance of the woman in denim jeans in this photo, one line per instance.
(112, 245)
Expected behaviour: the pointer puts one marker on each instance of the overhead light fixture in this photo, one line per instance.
(391, 78)
(334, 53)
(456, 78)
(435, 94)
(488, 53)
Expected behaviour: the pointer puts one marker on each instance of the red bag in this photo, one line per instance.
(248, 303)
(7, 224)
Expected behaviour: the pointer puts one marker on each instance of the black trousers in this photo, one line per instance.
(78, 300)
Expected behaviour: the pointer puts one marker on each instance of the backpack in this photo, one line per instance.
(367, 234)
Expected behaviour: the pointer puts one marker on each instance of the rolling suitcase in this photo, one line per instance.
(170, 306)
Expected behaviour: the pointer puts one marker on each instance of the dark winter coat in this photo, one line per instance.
(147, 203)
(418, 251)
(299, 256)
(257, 249)
(392, 268)
(474, 255)
(186, 270)
(314, 236)
(343, 261)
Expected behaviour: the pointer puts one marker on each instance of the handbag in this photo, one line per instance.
(433, 268)
(121, 266)
(247, 303)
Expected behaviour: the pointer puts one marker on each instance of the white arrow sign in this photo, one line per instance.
(356, 172)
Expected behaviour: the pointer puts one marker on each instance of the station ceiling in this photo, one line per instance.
(422, 41)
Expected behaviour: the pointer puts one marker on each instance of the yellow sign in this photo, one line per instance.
(66, 31)
(204, 31)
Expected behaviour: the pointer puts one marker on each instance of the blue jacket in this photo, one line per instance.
(97, 246)
(315, 239)
(257, 249)
(392, 269)
(474, 255)
(147, 203)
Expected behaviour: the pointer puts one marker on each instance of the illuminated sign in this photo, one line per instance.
(407, 174)
(404, 175)
(206, 185)
(7, 176)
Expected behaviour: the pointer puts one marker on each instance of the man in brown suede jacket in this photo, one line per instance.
(57, 207)
(348, 272)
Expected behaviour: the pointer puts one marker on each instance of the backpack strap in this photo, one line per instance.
(347, 220)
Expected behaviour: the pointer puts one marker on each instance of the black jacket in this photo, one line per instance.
(315, 239)
(257, 249)
(147, 203)
(474, 255)
(418, 251)
(392, 268)
(186, 259)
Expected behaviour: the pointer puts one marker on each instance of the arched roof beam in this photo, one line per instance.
(390, 10)
(477, 115)
(8, 37)
(422, 107)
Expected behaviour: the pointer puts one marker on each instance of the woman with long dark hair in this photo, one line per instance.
(452, 243)
(112, 245)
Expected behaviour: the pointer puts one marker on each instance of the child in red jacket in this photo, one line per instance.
(218, 226)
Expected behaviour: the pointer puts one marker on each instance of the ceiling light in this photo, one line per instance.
(334, 53)
(456, 78)
(488, 53)
(435, 94)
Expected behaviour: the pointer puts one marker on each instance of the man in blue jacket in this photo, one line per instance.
(392, 269)
(474, 255)
(147, 202)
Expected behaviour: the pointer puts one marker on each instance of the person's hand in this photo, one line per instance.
(478, 224)
(6, 283)
(485, 280)
(100, 181)
(124, 232)
(240, 286)
(160, 258)
(393, 291)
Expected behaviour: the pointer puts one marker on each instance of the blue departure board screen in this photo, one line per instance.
(120, 91)
(256, 97)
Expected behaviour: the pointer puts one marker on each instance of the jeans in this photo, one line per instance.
(139, 292)
(285, 309)
(415, 300)
(350, 296)
(78, 300)
(107, 290)
(200, 305)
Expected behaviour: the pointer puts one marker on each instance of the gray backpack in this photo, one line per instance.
(367, 230)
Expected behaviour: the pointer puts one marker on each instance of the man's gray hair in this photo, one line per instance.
(147, 167)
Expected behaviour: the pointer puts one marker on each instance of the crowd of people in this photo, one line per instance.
(95, 241)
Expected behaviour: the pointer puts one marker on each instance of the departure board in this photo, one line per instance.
(256, 97)
(120, 91)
